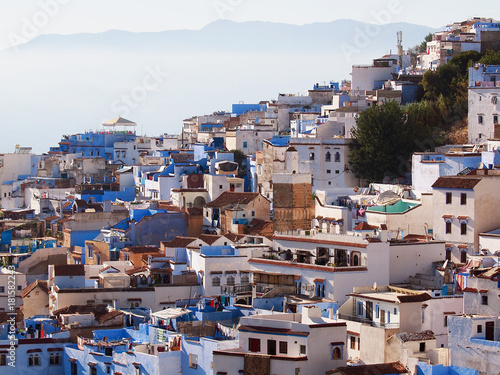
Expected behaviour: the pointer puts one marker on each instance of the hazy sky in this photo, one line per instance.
(23, 20)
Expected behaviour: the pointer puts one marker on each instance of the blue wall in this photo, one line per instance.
(425, 369)
(239, 109)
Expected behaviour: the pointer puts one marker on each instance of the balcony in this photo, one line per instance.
(369, 322)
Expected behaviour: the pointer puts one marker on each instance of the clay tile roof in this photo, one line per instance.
(374, 369)
(136, 270)
(462, 217)
(364, 226)
(81, 203)
(470, 290)
(447, 216)
(108, 316)
(414, 298)
(142, 249)
(490, 274)
(209, 238)
(457, 182)
(417, 336)
(69, 270)
(232, 197)
(40, 283)
(179, 241)
(50, 218)
(234, 237)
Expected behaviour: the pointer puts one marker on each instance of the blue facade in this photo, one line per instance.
(239, 109)
(93, 144)
(425, 369)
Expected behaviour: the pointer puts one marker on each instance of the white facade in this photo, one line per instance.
(302, 343)
(484, 112)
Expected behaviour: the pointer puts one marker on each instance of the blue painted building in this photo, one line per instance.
(239, 109)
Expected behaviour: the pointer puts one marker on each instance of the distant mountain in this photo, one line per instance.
(61, 84)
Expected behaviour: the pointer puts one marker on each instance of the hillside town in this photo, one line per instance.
(262, 240)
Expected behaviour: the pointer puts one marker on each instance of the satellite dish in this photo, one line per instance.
(374, 287)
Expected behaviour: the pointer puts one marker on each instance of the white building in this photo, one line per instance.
(484, 106)
(285, 344)
(464, 207)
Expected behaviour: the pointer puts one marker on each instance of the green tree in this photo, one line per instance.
(491, 58)
(383, 140)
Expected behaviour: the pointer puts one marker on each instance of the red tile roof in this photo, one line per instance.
(457, 182)
(179, 241)
(209, 238)
(141, 249)
(470, 290)
(364, 226)
(37, 283)
(232, 197)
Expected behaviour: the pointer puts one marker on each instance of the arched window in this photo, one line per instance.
(337, 156)
(245, 279)
(216, 281)
(328, 156)
(337, 353)
(230, 280)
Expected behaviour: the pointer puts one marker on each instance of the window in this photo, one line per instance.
(245, 279)
(389, 317)
(283, 347)
(271, 347)
(91, 251)
(479, 328)
(337, 157)
(484, 300)
(328, 171)
(93, 370)
(328, 156)
(2, 289)
(216, 281)
(495, 119)
(230, 280)
(448, 198)
(303, 349)
(377, 311)
(193, 361)
(108, 351)
(220, 186)
(448, 254)
(446, 320)
(34, 360)
(55, 359)
(108, 369)
(359, 343)
(479, 119)
(245, 144)
(253, 213)
(448, 227)
(353, 342)
(422, 346)
(74, 368)
(337, 353)
(463, 199)
(395, 311)
(311, 156)
(463, 228)
(3, 359)
(360, 308)
(337, 171)
(253, 345)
